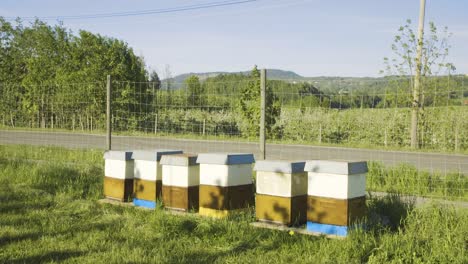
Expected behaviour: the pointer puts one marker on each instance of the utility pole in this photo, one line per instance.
(417, 79)
(108, 113)
(262, 113)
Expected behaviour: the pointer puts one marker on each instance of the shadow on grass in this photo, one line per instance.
(388, 212)
(17, 200)
(210, 256)
(53, 256)
(5, 240)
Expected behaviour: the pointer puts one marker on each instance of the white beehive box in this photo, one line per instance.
(336, 179)
(118, 164)
(180, 170)
(147, 165)
(281, 178)
(224, 169)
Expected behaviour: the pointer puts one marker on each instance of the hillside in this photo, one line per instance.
(325, 83)
(273, 74)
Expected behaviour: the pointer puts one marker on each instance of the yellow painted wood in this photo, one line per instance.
(342, 212)
(118, 189)
(218, 213)
(282, 210)
(147, 190)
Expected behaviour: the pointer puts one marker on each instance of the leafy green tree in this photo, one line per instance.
(155, 81)
(59, 76)
(195, 91)
(435, 49)
(249, 105)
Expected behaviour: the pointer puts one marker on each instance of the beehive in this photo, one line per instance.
(281, 192)
(336, 195)
(147, 186)
(225, 183)
(118, 175)
(180, 181)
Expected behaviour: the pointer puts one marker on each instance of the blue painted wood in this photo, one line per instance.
(144, 203)
(327, 229)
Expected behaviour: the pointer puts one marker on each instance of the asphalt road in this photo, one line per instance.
(428, 161)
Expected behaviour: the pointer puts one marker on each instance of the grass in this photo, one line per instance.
(407, 179)
(49, 213)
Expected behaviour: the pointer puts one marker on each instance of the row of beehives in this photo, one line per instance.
(329, 196)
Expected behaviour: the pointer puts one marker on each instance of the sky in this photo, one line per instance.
(309, 37)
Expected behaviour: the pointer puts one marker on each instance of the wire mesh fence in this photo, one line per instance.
(320, 118)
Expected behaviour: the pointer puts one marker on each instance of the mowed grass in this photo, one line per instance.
(49, 213)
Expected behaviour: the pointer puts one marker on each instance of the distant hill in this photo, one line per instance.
(324, 83)
(327, 84)
(273, 74)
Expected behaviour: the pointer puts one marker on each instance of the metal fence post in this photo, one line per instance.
(108, 113)
(262, 113)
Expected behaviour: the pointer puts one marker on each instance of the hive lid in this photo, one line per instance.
(179, 160)
(282, 166)
(118, 155)
(225, 158)
(153, 155)
(336, 167)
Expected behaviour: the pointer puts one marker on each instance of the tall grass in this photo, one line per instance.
(49, 213)
(407, 179)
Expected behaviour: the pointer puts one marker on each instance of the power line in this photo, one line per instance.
(140, 12)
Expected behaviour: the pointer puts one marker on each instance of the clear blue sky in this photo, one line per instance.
(312, 38)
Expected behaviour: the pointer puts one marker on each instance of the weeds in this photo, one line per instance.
(49, 213)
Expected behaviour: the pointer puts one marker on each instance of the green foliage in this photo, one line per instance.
(249, 105)
(49, 213)
(155, 81)
(195, 91)
(406, 179)
(40, 65)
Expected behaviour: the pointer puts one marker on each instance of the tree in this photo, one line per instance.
(249, 105)
(168, 77)
(50, 75)
(195, 91)
(404, 64)
(154, 79)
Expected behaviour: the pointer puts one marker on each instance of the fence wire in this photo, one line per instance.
(320, 118)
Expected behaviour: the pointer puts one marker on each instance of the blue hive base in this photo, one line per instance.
(329, 229)
(144, 203)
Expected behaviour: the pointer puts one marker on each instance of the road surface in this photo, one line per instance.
(427, 161)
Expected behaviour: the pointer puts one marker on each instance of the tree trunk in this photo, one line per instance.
(43, 121)
(81, 123)
(417, 80)
(12, 120)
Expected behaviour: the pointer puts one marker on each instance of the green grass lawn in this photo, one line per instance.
(49, 213)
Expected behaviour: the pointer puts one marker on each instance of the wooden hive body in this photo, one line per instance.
(225, 183)
(148, 176)
(281, 192)
(281, 184)
(281, 210)
(336, 195)
(118, 175)
(343, 212)
(180, 181)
